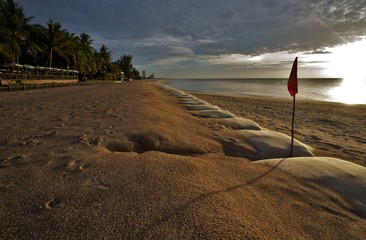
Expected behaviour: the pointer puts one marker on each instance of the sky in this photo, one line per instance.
(220, 38)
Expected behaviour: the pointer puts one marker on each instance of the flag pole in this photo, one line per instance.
(292, 126)
(293, 89)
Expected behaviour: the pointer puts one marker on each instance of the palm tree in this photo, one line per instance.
(20, 40)
(55, 40)
(103, 60)
(86, 40)
(6, 43)
(105, 55)
(125, 63)
(86, 52)
(15, 30)
(33, 44)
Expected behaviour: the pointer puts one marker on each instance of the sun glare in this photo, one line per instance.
(350, 91)
(348, 62)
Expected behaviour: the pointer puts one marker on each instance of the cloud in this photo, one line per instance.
(319, 51)
(207, 31)
(234, 25)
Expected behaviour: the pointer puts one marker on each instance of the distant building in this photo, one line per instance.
(152, 76)
(144, 74)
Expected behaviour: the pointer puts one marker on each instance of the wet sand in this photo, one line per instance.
(128, 161)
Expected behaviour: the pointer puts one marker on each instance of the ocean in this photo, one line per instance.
(321, 89)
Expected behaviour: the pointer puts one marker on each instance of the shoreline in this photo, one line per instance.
(333, 129)
(328, 90)
(285, 99)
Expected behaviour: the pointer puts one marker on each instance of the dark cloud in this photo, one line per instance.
(319, 52)
(158, 29)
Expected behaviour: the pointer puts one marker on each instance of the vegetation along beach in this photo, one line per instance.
(155, 120)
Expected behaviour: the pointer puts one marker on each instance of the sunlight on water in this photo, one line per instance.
(350, 91)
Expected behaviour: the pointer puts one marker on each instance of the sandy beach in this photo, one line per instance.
(129, 161)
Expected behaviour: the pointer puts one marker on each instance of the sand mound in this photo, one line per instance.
(241, 124)
(194, 102)
(201, 107)
(346, 178)
(271, 144)
(184, 97)
(214, 114)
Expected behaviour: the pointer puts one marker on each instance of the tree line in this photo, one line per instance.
(55, 47)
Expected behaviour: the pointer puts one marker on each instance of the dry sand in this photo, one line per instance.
(128, 161)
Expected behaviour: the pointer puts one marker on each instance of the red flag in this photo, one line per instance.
(292, 81)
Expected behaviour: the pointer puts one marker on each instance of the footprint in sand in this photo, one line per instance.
(62, 118)
(70, 166)
(121, 146)
(4, 141)
(358, 139)
(60, 125)
(83, 139)
(352, 151)
(314, 137)
(32, 142)
(52, 203)
(335, 146)
(101, 186)
(96, 183)
(10, 161)
(48, 134)
(75, 166)
(97, 141)
(64, 175)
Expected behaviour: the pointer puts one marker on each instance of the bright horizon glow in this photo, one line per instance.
(349, 63)
(342, 61)
(348, 60)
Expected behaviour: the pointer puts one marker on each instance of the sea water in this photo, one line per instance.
(321, 89)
